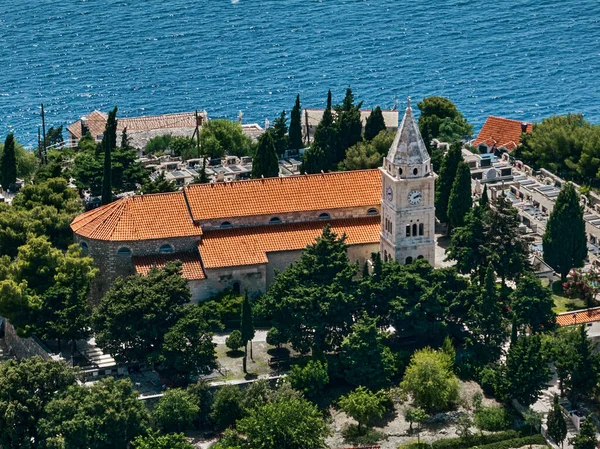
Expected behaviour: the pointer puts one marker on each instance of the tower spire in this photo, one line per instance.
(408, 101)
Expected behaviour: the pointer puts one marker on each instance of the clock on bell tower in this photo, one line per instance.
(408, 191)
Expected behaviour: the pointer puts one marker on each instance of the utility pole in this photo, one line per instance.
(39, 145)
(44, 160)
(307, 130)
(197, 134)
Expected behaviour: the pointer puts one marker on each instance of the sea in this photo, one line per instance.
(521, 59)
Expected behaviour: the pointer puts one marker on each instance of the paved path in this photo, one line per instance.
(219, 339)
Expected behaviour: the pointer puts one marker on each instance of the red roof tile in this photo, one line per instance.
(578, 317)
(250, 246)
(501, 132)
(191, 265)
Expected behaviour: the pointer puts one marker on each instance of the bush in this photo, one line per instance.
(475, 440)
(311, 379)
(517, 442)
(202, 397)
(176, 410)
(492, 419)
(227, 406)
(274, 337)
(487, 380)
(557, 288)
(234, 341)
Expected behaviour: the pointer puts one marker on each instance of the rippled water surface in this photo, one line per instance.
(518, 58)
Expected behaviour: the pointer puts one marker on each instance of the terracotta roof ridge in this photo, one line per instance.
(588, 311)
(187, 204)
(508, 119)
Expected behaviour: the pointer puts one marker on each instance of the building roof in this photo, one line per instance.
(408, 147)
(500, 132)
(578, 317)
(251, 246)
(390, 117)
(191, 266)
(272, 196)
(96, 122)
(140, 217)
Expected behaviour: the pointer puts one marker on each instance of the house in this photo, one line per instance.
(500, 135)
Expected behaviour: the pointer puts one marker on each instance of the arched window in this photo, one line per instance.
(84, 247)
(166, 249)
(408, 230)
(275, 220)
(400, 172)
(236, 288)
(414, 230)
(415, 171)
(324, 216)
(372, 211)
(409, 260)
(421, 229)
(226, 225)
(124, 251)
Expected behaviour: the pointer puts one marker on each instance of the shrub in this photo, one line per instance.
(310, 379)
(476, 440)
(234, 341)
(227, 406)
(517, 442)
(202, 397)
(492, 419)
(364, 406)
(274, 337)
(487, 380)
(176, 410)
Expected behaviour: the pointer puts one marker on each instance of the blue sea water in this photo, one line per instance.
(523, 59)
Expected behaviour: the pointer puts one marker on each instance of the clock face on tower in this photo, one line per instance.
(415, 197)
(389, 193)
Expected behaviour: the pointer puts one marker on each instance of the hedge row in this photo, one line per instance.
(516, 443)
(462, 443)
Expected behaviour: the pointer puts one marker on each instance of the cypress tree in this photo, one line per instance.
(565, 242)
(557, 426)
(295, 132)
(109, 142)
(514, 334)
(8, 163)
(460, 201)
(375, 124)
(247, 326)
(125, 144)
(484, 201)
(349, 127)
(325, 140)
(265, 162)
(279, 134)
(443, 186)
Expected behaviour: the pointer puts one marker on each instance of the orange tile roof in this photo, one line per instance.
(250, 246)
(191, 265)
(96, 123)
(141, 217)
(272, 196)
(501, 132)
(578, 317)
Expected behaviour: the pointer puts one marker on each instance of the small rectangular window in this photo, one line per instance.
(408, 230)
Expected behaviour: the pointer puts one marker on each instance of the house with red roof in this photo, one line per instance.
(499, 135)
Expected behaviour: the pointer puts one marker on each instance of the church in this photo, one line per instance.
(238, 235)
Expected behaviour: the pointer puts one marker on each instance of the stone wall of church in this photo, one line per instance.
(251, 277)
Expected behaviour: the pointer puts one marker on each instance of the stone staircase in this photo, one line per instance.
(97, 359)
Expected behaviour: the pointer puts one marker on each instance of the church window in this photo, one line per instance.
(226, 225)
(415, 171)
(414, 229)
(124, 251)
(236, 288)
(421, 229)
(372, 211)
(275, 220)
(84, 247)
(409, 260)
(324, 216)
(400, 172)
(166, 248)
(408, 230)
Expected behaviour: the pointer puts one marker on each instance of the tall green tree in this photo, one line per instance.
(527, 370)
(368, 154)
(322, 153)
(375, 124)
(26, 388)
(247, 327)
(109, 143)
(443, 186)
(280, 130)
(364, 406)
(8, 163)
(349, 127)
(532, 304)
(295, 133)
(220, 137)
(154, 440)
(311, 379)
(584, 367)
(441, 120)
(176, 410)
(565, 242)
(557, 425)
(586, 438)
(265, 162)
(460, 200)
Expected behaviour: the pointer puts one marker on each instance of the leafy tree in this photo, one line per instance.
(526, 370)
(265, 162)
(564, 241)
(314, 160)
(433, 123)
(584, 367)
(26, 387)
(322, 153)
(586, 438)
(279, 134)
(375, 124)
(227, 406)
(368, 154)
(415, 415)
(187, 350)
(203, 398)
(365, 357)
(309, 301)
(295, 133)
(54, 192)
(106, 414)
(446, 181)
(159, 185)
(220, 137)
(310, 379)
(234, 340)
(154, 440)
(430, 381)
(533, 419)
(363, 405)
(460, 202)
(54, 136)
(8, 163)
(126, 172)
(109, 143)
(463, 426)
(532, 304)
(133, 317)
(293, 423)
(256, 394)
(87, 171)
(247, 327)
(349, 127)
(176, 410)
(274, 337)
(37, 263)
(557, 425)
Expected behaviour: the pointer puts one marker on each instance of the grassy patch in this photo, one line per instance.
(564, 304)
(492, 419)
(367, 437)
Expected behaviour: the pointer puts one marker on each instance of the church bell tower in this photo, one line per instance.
(408, 192)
